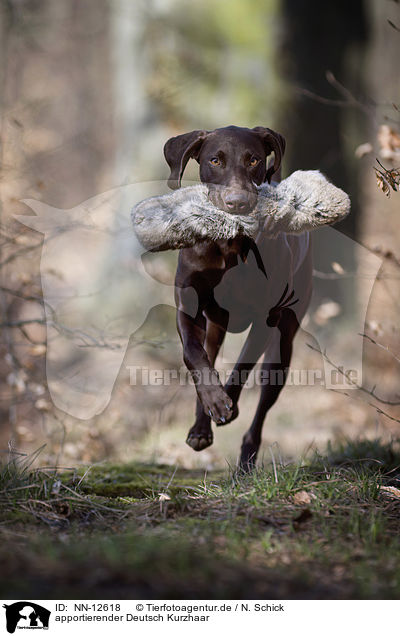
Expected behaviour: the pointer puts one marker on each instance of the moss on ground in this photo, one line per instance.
(327, 527)
(138, 480)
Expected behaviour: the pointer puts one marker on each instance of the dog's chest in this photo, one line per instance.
(249, 289)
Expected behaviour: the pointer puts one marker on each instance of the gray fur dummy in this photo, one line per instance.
(302, 202)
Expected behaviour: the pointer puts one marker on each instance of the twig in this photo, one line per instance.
(348, 101)
(273, 464)
(346, 375)
(374, 406)
(17, 254)
(21, 323)
(381, 346)
(96, 504)
(322, 100)
(396, 28)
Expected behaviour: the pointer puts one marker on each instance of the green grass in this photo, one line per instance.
(324, 527)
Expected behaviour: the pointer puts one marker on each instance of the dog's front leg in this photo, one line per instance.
(200, 435)
(215, 401)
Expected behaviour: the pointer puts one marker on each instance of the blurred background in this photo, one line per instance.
(90, 92)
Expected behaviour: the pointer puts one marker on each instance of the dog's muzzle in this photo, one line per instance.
(232, 200)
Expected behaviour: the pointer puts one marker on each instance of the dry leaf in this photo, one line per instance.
(17, 380)
(25, 433)
(56, 487)
(37, 389)
(391, 491)
(338, 268)
(393, 177)
(362, 150)
(38, 350)
(387, 179)
(23, 239)
(302, 497)
(25, 278)
(326, 311)
(382, 183)
(375, 327)
(389, 142)
(42, 405)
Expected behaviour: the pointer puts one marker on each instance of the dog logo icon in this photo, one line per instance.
(26, 615)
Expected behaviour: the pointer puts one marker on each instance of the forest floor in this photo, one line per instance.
(326, 527)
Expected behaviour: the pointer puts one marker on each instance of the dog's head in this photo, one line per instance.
(232, 162)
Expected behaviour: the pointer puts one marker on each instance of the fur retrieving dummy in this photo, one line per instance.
(302, 202)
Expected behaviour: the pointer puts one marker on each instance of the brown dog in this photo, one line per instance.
(239, 282)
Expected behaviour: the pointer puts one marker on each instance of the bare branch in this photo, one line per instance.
(322, 100)
(18, 294)
(396, 28)
(381, 346)
(387, 254)
(24, 250)
(21, 323)
(346, 375)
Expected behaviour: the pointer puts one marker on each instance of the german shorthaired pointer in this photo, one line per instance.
(265, 284)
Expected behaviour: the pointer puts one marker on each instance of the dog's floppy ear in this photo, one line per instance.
(178, 150)
(273, 142)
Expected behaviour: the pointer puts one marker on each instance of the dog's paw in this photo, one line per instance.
(235, 414)
(217, 404)
(199, 440)
(248, 455)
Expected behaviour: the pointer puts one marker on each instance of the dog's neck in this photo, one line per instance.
(239, 247)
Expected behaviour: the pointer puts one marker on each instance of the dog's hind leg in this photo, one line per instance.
(275, 377)
(256, 343)
(200, 436)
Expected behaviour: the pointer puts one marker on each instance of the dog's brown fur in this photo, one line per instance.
(239, 282)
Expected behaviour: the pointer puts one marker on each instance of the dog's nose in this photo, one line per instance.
(236, 202)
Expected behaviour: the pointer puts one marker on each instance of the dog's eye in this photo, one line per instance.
(215, 161)
(253, 162)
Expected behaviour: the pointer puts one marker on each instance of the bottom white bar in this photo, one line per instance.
(319, 618)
